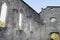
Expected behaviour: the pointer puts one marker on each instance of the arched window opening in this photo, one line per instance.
(3, 15)
(20, 22)
(55, 36)
(52, 19)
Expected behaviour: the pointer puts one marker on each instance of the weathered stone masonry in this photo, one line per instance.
(34, 26)
(30, 21)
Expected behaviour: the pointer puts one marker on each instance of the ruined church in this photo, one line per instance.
(18, 21)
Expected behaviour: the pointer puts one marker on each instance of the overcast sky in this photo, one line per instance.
(38, 4)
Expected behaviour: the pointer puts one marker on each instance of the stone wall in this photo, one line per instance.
(51, 21)
(30, 22)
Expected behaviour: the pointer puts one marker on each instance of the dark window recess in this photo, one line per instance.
(21, 10)
(54, 32)
(52, 17)
(15, 10)
(3, 29)
(30, 16)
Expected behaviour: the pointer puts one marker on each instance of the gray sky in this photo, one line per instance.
(38, 4)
